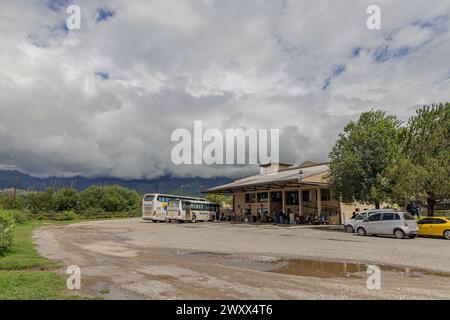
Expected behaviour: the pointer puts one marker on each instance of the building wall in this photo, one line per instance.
(348, 209)
(239, 203)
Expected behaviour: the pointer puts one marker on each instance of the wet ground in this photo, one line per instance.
(133, 259)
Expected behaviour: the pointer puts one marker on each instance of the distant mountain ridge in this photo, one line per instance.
(166, 184)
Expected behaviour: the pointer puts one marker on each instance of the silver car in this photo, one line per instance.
(351, 225)
(399, 224)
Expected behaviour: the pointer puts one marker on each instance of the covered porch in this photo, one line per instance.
(305, 204)
(297, 193)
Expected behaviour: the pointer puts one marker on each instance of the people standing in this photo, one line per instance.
(322, 220)
(418, 211)
(291, 216)
(308, 219)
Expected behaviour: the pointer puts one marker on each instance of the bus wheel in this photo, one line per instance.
(194, 219)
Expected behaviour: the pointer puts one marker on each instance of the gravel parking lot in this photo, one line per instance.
(136, 259)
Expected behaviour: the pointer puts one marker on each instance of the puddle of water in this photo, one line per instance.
(110, 292)
(327, 269)
(203, 253)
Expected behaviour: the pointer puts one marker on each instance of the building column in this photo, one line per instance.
(256, 203)
(319, 202)
(300, 202)
(283, 197)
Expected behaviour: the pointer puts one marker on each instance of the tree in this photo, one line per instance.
(220, 199)
(41, 201)
(110, 198)
(362, 153)
(422, 172)
(67, 199)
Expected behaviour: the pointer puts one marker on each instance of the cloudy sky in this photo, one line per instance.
(104, 100)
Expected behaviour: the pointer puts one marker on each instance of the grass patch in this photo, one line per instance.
(30, 285)
(24, 273)
(23, 254)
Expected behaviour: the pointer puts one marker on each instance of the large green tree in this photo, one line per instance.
(220, 199)
(422, 171)
(362, 153)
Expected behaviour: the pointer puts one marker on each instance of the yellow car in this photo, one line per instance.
(435, 226)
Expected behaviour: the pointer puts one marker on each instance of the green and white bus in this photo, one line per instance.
(168, 208)
(195, 211)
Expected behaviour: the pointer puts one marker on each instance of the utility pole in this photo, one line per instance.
(14, 193)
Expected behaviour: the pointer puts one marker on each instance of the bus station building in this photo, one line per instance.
(301, 190)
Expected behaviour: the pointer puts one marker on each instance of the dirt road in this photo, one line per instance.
(130, 258)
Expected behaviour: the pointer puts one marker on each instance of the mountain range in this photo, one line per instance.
(165, 184)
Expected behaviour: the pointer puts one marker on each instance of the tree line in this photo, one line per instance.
(379, 159)
(93, 200)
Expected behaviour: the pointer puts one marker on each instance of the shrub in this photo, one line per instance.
(19, 216)
(67, 216)
(6, 232)
(110, 198)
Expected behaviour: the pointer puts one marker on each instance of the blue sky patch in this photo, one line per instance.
(335, 73)
(356, 51)
(57, 5)
(381, 54)
(104, 14)
(102, 75)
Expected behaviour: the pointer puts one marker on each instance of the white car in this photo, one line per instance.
(398, 224)
(351, 225)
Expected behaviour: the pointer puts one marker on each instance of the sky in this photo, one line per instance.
(104, 100)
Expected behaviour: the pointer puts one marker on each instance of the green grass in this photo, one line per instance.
(30, 285)
(24, 274)
(23, 254)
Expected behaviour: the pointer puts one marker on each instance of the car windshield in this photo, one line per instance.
(408, 216)
(360, 217)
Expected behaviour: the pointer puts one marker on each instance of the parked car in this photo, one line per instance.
(435, 227)
(399, 224)
(352, 224)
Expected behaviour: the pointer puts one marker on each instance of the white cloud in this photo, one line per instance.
(104, 100)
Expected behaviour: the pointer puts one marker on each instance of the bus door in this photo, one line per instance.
(173, 207)
(187, 210)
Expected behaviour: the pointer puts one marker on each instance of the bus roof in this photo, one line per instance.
(196, 201)
(175, 196)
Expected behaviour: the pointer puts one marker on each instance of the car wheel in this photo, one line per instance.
(361, 232)
(399, 234)
(447, 234)
(349, 229)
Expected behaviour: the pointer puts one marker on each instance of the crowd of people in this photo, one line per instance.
(279, 218)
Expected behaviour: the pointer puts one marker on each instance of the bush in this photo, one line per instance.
(67, 216)
(95, 202)
(110, 198)
(19, 216)
(6, 232)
